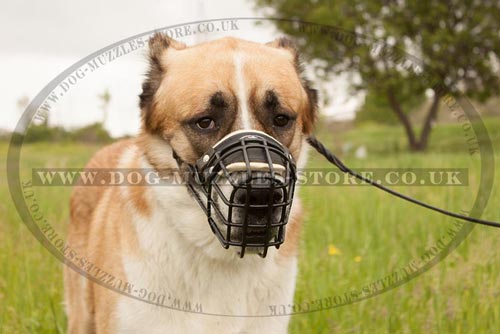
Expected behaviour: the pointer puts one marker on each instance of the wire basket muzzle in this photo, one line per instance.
(248, 180)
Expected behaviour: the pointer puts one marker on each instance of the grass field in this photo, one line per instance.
(353, 237)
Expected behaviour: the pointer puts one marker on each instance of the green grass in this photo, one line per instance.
(30, 277)
(374, 233)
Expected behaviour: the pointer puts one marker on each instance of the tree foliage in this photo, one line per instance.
(92, 133)
(399, 49)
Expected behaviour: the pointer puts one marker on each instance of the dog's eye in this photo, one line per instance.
(206, 123)
(281, 120)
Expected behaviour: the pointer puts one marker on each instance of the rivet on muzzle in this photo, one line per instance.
(260, 174)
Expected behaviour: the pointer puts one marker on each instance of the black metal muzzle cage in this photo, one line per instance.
(247, 180)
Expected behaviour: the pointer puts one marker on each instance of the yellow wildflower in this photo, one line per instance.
(332, 250)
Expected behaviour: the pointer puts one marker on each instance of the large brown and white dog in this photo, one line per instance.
(158, 238)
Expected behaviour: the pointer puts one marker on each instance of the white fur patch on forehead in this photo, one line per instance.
(242, 92)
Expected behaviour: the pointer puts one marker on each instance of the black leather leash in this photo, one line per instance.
(340, 165)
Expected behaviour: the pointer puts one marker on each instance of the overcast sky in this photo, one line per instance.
(40, 39)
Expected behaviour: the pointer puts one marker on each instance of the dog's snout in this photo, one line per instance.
(259, 196)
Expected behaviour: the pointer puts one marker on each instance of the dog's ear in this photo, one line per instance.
(312, 94)
(159, 43)
(287, 44)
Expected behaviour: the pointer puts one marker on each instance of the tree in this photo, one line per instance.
(22, 102)
(401, 49)
(105, 98)
(377, 109)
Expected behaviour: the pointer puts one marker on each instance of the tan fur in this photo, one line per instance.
(291, 245)
(83, 202)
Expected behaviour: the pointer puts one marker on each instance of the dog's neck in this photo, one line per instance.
(176, 214)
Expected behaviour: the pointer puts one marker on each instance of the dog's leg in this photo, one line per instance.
(77, 303)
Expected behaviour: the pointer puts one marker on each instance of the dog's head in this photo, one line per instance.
(194, 96)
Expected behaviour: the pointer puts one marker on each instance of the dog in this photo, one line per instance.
(150, 241)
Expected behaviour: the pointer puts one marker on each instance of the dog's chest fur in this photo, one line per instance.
(179, 258)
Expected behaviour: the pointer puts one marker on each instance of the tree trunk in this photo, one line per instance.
(403, 118)
(423, 141)
(427, 126)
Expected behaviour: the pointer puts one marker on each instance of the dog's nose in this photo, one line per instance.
(259, 196)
